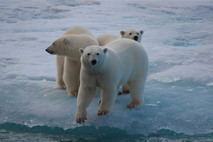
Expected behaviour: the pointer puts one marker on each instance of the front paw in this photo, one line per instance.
(102, 112)
(81, 117)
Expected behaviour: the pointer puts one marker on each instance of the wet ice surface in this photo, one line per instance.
(178, 39)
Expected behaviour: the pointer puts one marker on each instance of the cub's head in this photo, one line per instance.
(93, 56)
(58, 47)
(132, 34)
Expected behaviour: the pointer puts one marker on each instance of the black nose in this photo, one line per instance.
(136, 38)
(51, 52)
(93, 62)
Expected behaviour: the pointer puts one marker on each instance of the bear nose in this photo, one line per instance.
(93, 62)
(136, 38)
(49, 51)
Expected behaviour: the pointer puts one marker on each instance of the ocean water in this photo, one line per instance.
(179, 91)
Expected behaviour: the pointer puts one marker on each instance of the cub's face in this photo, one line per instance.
(92, 56)
(132, 34)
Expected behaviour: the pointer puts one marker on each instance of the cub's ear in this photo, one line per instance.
(81, 50)
(105, 50)
(66, 41)
(141, 31)
(122, 33)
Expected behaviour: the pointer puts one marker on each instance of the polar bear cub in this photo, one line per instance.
(130, 34)
(62, 63)
(69, 46)
(121, 62)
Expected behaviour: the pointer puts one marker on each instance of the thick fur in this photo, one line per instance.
(69, 45)
(130, 34)
(106, 38)
(121, 62)
(63, 72)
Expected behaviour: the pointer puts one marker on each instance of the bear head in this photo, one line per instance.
(69, 46)
(59, 46)
(93, 57)
(132, 34)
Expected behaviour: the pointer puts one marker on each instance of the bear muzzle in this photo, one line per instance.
(49, 51)
(136, 38)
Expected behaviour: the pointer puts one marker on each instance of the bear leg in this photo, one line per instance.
(85, 96)
(60, 71)
(136, 89)
(107, 99)
(72, 76)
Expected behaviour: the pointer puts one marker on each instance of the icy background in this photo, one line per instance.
(178, 38)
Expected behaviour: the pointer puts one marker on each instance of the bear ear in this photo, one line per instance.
(122, 33)
(81, 50)
(66, 41)
(141, 31)
(105, 50)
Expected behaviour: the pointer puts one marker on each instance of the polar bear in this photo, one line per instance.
(69, 45)
(62, 63)
(121, 62)
(130, 34)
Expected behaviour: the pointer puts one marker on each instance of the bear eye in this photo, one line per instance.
(130, 33)
(88, 54)
(97, 54)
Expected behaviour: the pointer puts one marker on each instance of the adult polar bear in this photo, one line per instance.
(62, 62)
(68, 58)
(109, 67)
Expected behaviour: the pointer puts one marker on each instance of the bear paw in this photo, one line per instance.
(81, 117)
(61, 85)
(73, 93)
(131, 105)
(102, 112)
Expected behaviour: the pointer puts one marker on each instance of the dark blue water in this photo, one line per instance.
(16, 132)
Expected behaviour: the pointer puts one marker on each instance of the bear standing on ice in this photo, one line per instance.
(130, 34)
(69, 45)
(123, 61)
(64, 72)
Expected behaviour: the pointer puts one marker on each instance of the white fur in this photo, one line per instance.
(68, 45)
(62, 62)
(106, 38)
(130, 34)
(121, 62)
